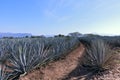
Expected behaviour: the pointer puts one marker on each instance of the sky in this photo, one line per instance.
(46, 17)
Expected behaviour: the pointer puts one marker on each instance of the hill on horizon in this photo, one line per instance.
(14, 34)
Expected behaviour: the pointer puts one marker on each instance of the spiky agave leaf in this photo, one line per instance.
(3, 73)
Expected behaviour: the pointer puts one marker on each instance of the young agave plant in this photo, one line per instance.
(97, 56)
(25, 56)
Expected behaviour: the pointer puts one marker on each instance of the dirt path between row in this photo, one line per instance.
(57, 70)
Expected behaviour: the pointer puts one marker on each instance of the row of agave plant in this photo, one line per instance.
(19, 56)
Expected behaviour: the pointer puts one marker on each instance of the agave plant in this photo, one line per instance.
(25, 56)
(97, 56)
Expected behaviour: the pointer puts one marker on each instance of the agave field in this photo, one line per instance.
(18, 56)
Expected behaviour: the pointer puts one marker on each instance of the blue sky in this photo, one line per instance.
(60, 16)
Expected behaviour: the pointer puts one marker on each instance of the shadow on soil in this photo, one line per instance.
(79, 73)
